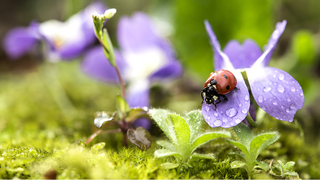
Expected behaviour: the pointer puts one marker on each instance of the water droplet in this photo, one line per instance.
(289, 100)
(301, 94)
(240, 105)
(237, 121)
(293, 89)
(275, 103)
(207, 108)
(208, 117)
(281, 77)
(225, 120)
(274, 76)
(231, 112)
(266, 89)
(246, 97)
(280, 88)
(217, 123)
(260, 99)
(215, 114)
(263, 108)
(287, 110)
(282, 107)
(292, 106)
(244, 111)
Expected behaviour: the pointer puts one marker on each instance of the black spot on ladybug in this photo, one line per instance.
(225, 76)
(228, 87)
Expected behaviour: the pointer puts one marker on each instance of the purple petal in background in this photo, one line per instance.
(96, 65)
(171, 70)
(264, 59)
(242, 56)
(232, 112)
(276, 92)
(21, 40)
(136, 32)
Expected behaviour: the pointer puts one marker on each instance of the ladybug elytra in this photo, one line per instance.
(218, 84)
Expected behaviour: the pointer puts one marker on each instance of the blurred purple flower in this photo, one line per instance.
(64, 40)
(274, 90)
(143, 57)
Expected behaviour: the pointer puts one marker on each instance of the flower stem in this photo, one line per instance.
(100, 131)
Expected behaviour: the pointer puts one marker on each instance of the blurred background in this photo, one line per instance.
(27, 103)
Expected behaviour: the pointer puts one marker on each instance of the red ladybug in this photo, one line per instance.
(218, 84)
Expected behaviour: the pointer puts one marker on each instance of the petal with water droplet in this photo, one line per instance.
(280, 95)
(229, 113)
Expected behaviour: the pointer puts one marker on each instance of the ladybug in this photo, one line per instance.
(218, 84)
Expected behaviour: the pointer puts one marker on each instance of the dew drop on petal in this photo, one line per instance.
(237, 121)
(231, 112)
(280, 88)
(292, 106)
(207, 108)
(266, 89)
(282, 107)
(246, 97)
(244, 111)
(240, 105)
(217, 123)
(208, 117)
(281, 77)
(215, 114)
(260, 99)
(287, 110)
(275, 103)
(263, 108)
(293, 89)
(274, 76)
(288, 99)
(225, 120)
(301, 94)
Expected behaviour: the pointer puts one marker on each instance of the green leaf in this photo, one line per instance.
(169, 165)
(203, 156)
(122, 107)
(165, 153)
(304, 47)
(244, 133)
(102, 117)
(240, 146)
(166, 144)
(205, 138)
(237, 164)
(288, 166)
(263, 165)
(108, 50)
(98, 24)
(162, 118)
(262, 141)
(136, 113)
(182, 131)
(195, 121)
(140, 137)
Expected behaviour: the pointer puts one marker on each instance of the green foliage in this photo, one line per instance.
(251, 146)
(186, 134)
(304, 47)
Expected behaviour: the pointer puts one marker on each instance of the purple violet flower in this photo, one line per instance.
(274, 90)
(64, 40)
(143, 57)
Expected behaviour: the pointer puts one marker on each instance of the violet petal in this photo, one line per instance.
(242, 56)
(221, 60)
(171, 70)
(96, 65)
(276, 92)
(20, 40)
(264, 59)
(136, 32)
(232, 112)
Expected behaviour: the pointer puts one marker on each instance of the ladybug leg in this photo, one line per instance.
(236, 88)
(203, 93)
(224, 97)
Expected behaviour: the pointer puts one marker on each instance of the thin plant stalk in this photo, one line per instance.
(100, 132)
(53, 85)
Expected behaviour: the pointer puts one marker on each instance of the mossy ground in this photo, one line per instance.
(37, 137)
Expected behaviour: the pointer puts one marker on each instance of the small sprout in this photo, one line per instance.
(185, 133)
(102, 117)
(140, 137)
